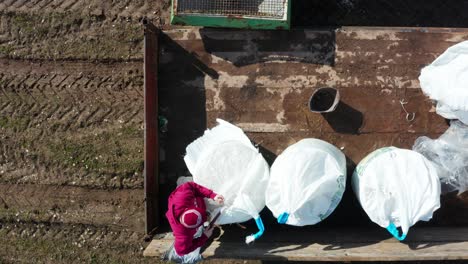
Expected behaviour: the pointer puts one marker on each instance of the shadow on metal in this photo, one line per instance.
(245, 47)
(345, 119)
(182, 101)
(389, 13)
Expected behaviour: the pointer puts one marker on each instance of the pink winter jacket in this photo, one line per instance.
(187, 195)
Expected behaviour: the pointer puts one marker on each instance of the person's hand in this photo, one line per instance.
(219, 199)
(209, 231)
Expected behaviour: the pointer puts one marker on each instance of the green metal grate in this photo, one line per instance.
(251, 8)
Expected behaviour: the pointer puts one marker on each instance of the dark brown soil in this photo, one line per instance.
(71, 130)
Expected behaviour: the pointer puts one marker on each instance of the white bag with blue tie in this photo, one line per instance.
(225, 161)
(397, 188)
(306, 183)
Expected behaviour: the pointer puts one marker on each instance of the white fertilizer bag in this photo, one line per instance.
(225, 160)
(446, 81)
(397, 188)
(306, 183)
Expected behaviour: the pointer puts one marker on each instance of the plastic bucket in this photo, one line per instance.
(324, 100)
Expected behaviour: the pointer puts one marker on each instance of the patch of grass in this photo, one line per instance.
(74, 153)
(40, 26)
(116, 152)
(6, 49)
(12, 215)
(23, 21)
(3, 121)
(14, 123)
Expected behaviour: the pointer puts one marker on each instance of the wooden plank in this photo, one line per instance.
(369, 110)
(296, 76)
(338, 245)
(325, 235)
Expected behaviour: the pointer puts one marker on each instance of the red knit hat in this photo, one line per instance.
(192, 218)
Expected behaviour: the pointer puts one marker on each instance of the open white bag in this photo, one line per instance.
(225, 160)
(446, 81)
(306, 183)
(397, 188)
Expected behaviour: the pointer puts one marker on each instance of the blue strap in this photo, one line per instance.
(283, 218)
(394, 231)
(260, 226)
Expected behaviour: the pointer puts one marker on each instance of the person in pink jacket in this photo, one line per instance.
(186, 213)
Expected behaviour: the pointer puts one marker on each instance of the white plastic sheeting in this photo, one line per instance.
(449, 154)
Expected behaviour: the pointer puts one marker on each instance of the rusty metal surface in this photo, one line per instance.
(262, 81)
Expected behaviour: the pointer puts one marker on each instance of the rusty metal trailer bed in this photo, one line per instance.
(261, 81)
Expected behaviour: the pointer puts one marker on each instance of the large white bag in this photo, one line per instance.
(397, 188)
(446, 81)
(225, 160)
(306, 183)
